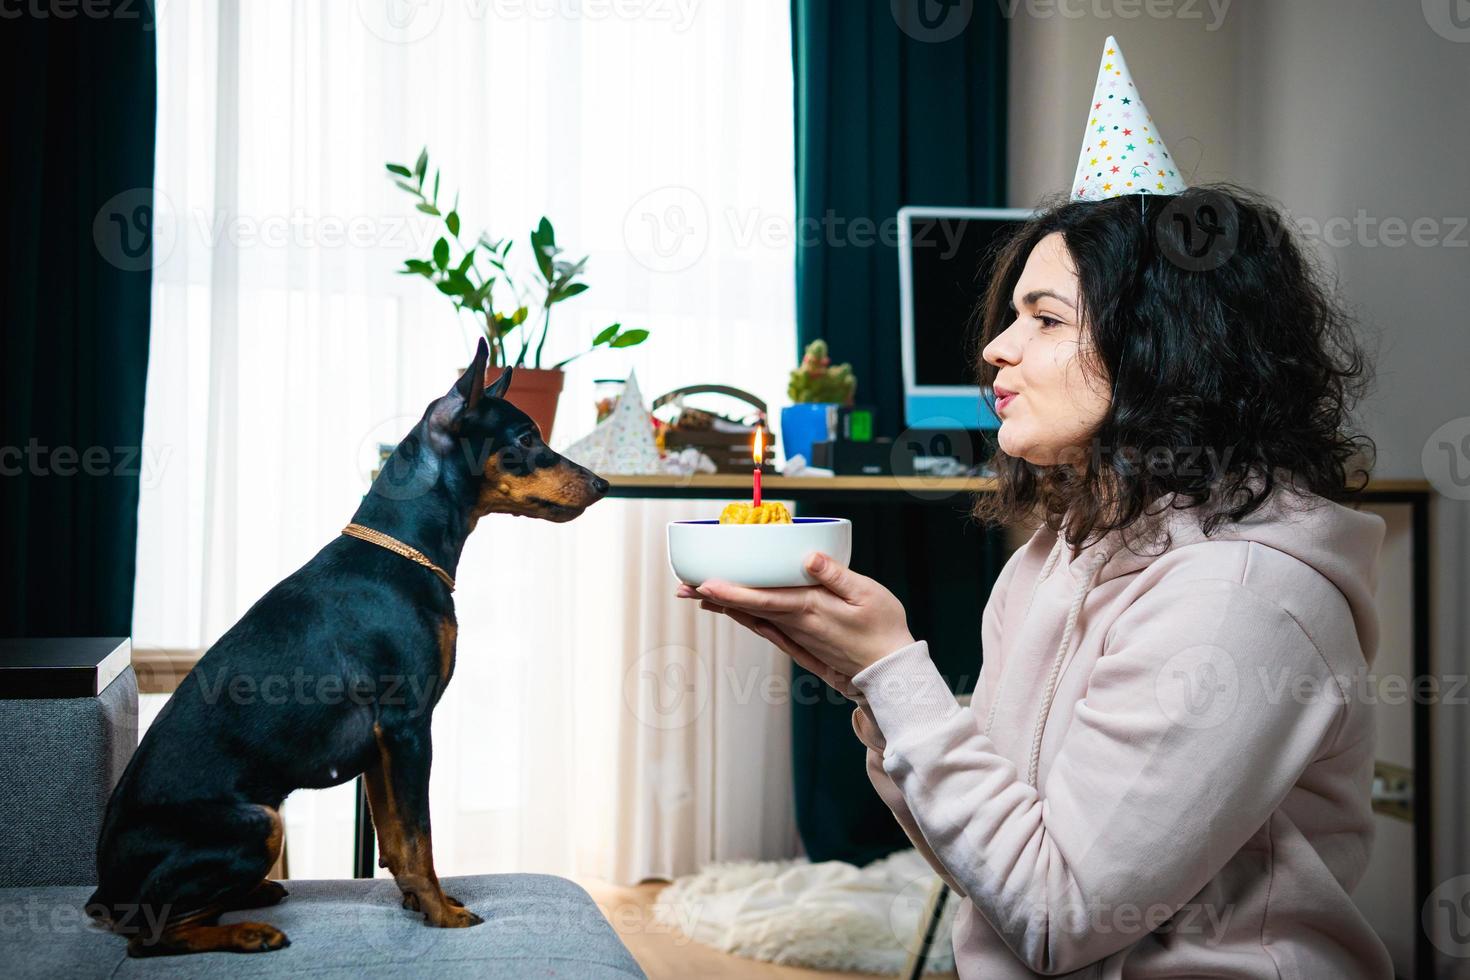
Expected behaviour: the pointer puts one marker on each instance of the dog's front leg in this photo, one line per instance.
(398, 795)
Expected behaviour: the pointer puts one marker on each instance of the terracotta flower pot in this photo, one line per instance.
(534, 391)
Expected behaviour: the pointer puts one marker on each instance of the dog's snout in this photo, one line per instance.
(600, 486)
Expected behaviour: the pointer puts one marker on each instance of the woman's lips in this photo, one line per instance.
(1004, 400)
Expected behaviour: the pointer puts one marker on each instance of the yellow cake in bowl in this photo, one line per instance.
(769, 512)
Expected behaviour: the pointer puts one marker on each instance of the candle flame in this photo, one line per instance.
(759, 452)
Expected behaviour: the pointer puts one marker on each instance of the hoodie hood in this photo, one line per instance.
(1340, 543)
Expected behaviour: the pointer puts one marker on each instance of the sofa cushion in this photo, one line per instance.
(535, 925)
(59, 759)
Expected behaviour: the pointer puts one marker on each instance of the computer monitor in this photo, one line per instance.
(943, 256)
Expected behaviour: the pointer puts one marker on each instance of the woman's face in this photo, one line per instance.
(1048, 405)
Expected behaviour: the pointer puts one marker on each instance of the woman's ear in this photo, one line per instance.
(501, 385)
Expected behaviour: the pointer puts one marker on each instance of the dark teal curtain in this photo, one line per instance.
(897, 102)
(78, 180)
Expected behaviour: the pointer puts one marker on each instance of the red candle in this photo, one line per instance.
(757, 453)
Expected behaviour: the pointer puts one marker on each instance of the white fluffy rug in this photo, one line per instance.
(829, 916)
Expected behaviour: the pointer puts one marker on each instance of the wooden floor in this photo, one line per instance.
(665, 954)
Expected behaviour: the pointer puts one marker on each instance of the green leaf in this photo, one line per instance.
(547, 232)
(423, 164)
(418, 267)
(408, 187)
(436, 187)
(607, 334)
(452, 220)
(467, 261)
(630, 339)
(543, 248)
(428, 209)
(447, 288)
(575, 289)
(459, 284)
(399, 169)
(441, 253)
(519, 316)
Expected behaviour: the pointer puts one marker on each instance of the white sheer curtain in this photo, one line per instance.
(595, 725)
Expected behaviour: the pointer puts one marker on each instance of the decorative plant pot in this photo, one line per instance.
(803, 424)
(534, 391)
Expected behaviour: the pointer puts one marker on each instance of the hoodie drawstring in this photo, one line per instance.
(1085, 586)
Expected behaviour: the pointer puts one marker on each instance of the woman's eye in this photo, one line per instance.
(1047, 321)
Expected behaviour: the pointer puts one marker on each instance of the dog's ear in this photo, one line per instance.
(446, 412)
(501, 385)
(471, 384)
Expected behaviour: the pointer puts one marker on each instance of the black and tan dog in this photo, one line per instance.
(194, 825)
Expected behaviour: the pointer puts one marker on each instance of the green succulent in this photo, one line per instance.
(817, 380)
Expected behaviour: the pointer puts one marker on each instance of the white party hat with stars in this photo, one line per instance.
(1122, 150)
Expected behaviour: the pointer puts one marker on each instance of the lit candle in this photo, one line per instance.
(758, 453)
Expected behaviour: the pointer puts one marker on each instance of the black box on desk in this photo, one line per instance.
(880, 457)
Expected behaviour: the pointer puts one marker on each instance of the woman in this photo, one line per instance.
(1164, 771)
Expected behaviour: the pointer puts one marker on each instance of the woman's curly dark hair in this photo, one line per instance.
(1226, 353)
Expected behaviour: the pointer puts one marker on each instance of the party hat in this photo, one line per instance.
(1122, 150)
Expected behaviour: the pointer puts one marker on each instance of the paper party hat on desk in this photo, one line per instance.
(1122, 150)
(623, 442)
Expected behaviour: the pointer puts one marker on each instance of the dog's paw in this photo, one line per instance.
(454, 917)
(257, 937)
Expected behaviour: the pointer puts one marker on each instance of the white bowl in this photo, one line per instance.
(761, 556)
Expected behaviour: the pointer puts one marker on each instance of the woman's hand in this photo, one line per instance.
(845, 623)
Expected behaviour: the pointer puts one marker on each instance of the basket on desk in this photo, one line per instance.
(730, 451)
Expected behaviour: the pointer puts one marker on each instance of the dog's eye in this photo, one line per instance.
(526, 440)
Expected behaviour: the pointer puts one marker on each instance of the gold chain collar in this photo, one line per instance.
(398, 548)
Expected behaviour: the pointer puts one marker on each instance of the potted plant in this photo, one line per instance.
(817, 390)
(476, 276)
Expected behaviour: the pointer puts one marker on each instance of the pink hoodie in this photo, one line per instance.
(1165, 768)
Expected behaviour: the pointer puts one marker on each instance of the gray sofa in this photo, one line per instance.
(58, 761)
